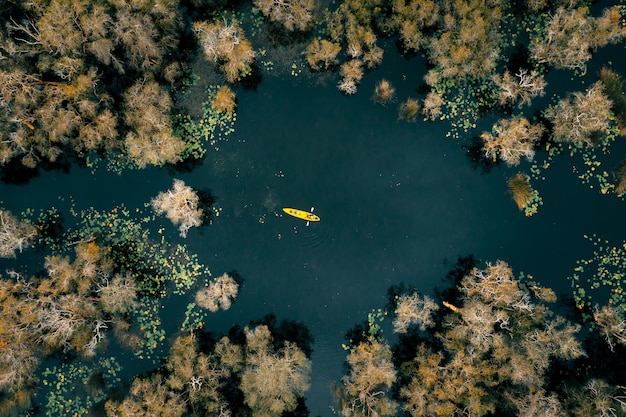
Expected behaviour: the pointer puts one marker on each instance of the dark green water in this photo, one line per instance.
(397, 201)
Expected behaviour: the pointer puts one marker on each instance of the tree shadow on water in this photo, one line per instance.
(186, 165)
(207, 199)
(475, 154)
(287, 330)
(462, 267)
(15, 173)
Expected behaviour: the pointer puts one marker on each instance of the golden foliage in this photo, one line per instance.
(384, 92)
(612, 325)
(431, 107)
(500, 335)
(571, 34)
(520, 189)
(224, 100)
(272, 381)
(292, 14)
(225, 43)
(148, 396)
(322, 55)
(119, 295)
(72, 43)
(468, 44)
(365, 389)
(409, 110)
(410, 18)
(151, 140)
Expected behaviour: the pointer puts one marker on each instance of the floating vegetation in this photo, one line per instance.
(374, 320)
(464, 102)
(150, 327)
(263, 61)
(587, 161)
(152, 263)
(75, 388)
(212, 127)
(297, 67)
(194, 318)
(156, 266)
(601, 278)
(374, 330)
(186, 269)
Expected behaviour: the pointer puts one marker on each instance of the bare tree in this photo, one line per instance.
(219, 293)
(511, 140)
(181, 205)
(15, 235)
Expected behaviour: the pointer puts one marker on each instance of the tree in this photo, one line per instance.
(512, 139)
(322, 55)
(365, 389)
(577, 118)
(614, 88)
(15, 235)
(597, 398)
(225, 43)
(351, 72)
(200, 376)
(409, 18)
(224, 100)
(19, 357)
(118, 295)
(351, 25)
(612, 325)
(292, 14)
(384, 92)
(431, 106)
(413, 309)
(571, 34)
(467, 43)
(520, 189)
(272, 381)
(494, 347)
(408, 110)
(65, 315)
(181, 205)
(58, 64)
(148, 397)
(151, 140)
(566, 40)
(522, 89)
(538, 403)
(220, 293)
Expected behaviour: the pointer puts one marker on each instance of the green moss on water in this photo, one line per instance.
(150, 328)
(601, 277)
(73, 389)
(465, 102)
(211, 128)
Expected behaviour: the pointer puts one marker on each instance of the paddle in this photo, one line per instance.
(307, 222)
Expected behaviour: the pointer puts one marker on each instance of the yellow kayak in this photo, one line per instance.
(301, 214)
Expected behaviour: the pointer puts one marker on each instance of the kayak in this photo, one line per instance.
(301, 214)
